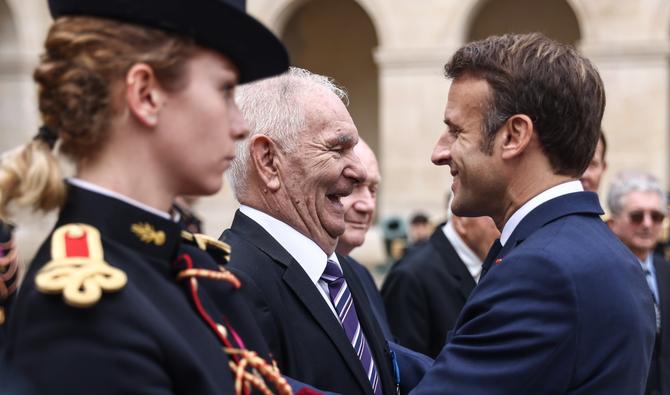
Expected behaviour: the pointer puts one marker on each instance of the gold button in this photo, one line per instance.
(2, 315)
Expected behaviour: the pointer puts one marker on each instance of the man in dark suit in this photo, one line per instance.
(425, 291)
(562, 306)
(289, 177)
(359, 211)
(637, 206)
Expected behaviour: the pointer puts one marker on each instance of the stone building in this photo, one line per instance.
(389, 55)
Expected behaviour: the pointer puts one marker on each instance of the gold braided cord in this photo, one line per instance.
(222, 275)
(245, 378)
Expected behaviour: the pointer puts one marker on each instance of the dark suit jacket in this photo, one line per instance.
(424, 294)
(412, 365)
(662, 349)
(373, 295)
(304, 335)
(565, 309)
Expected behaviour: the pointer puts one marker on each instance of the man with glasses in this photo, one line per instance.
(638, 205)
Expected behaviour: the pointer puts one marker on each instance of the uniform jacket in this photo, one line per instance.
(424, 293)
(303, 334)
(147, 337)
(564, 309)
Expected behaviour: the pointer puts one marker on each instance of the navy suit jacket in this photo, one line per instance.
(565, 309)
(302, 332)
(662, 347)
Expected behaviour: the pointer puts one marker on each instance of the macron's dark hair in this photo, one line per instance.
(559, 89)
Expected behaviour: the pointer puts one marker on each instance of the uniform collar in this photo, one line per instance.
(119, 221)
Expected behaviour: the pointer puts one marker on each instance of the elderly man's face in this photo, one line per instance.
(322, 169)
(638, 225)
(359, 207)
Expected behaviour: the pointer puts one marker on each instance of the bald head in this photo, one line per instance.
(359, 207)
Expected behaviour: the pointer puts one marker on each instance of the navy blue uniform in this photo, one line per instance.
(163, 332)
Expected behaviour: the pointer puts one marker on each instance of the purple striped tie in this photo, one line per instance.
(346, 312)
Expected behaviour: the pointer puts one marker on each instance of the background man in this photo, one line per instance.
(359, 212)
(523, 118)
(290, 176)
(638, 206)
(425, 291)
(594, 172)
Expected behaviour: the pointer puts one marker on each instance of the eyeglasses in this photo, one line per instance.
(636, 217)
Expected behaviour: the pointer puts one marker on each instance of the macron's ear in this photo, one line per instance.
(264, 153)
(517, 134)
(143, 94)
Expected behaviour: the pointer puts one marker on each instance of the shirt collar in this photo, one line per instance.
(551, 193)
(108, 192)
(469, 258)
(648, 263)
(304, 250)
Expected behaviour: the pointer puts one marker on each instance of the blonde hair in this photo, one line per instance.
(79, 80)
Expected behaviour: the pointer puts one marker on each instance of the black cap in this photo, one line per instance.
(221, 25)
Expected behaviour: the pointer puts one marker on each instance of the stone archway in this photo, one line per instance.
(9, 81)
(317, 40)
(554, 18)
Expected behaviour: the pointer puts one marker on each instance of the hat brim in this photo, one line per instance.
(213, 24)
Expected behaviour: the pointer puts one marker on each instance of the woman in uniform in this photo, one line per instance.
(118, 300)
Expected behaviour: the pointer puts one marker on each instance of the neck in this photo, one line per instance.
(523, 188)
(343, 248)
(119, 173)
(641, 254)
(269, 203)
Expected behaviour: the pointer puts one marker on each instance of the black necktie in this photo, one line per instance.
(490, 257)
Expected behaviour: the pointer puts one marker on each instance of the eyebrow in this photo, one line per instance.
(451, 124)
(345, 140)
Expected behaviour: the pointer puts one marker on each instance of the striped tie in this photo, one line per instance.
(346, 312)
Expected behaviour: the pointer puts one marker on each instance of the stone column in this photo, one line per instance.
(412, 95)
(635, 74)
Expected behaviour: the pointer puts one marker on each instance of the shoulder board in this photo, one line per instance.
(217, 248)
(77, 268)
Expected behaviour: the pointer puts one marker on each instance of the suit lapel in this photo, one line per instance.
(299, 282)
(371, 328)
(551, 210)
(452, 262)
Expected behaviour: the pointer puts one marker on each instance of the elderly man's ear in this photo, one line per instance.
(264, 154)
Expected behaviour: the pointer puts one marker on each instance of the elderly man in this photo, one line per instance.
(637, 205)
(562, 306)
(425, 291)
(290, 176)
(594, 172)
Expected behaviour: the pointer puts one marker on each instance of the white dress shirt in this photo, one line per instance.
(551, 193)
(471, 260)
(304, 250)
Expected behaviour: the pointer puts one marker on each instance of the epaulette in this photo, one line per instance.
(219, 250)
(77, 267)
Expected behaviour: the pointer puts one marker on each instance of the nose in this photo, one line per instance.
(238, 126)
(355, 169)
(365, 202)
(442, 152)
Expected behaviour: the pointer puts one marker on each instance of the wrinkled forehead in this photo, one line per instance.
(325, 113)
(643, 200)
